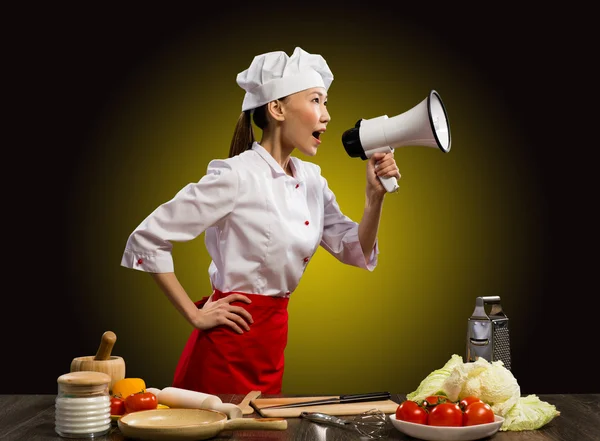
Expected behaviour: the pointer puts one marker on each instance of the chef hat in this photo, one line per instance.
(274, 75)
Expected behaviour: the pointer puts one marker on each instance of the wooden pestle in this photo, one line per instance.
(106, 345)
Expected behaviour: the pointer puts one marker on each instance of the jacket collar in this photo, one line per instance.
(277, 169)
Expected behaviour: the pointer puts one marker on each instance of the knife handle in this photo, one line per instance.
(372, 396)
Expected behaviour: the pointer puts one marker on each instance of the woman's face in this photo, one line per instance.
(306, 119)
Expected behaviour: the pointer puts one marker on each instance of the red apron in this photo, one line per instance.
(221, 361)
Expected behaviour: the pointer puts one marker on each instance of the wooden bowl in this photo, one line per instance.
(114, 367)
(103, 361)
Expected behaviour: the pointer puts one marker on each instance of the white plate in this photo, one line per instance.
(437, 433)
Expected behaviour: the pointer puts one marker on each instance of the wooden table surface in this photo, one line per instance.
(31, 417)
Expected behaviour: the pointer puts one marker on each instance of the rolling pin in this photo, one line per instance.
(184, 398)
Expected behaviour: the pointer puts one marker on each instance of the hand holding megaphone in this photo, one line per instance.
(425, 125)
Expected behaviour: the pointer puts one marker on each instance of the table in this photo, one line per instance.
(31, 418)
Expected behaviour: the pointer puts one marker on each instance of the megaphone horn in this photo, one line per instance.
(425, 125)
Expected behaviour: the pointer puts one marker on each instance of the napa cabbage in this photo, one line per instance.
(492, 383)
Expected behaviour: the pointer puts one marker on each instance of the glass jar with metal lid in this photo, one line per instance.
(82, 405)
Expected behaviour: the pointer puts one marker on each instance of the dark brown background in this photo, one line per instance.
(63, 63)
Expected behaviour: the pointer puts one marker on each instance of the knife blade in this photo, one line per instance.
(352, 398)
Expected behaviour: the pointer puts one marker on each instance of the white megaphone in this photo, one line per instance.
(426, 125)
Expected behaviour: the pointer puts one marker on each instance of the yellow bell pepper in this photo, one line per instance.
(127, 386)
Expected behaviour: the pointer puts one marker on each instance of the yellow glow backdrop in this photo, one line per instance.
(463, 224)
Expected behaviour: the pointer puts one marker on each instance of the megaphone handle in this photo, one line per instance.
(390, 183)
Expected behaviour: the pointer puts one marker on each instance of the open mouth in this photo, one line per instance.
(316, 134)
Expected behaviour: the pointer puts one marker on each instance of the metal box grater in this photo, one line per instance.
(487, 333)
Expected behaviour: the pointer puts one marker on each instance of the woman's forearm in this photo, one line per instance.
(369, 224)
(170, 286)
(220, 312)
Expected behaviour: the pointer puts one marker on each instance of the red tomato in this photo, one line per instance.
(411, 411)
(446, 414)
(464, 403)
(141, 401)
(434, 400)
(478, 413)
(117, 406)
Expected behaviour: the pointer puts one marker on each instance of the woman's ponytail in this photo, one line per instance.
(243, 135)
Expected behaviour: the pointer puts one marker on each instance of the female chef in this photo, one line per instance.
(264, 213)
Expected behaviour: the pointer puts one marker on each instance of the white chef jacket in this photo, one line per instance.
(261, 225)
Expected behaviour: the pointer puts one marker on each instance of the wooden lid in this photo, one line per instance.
(84, 378)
